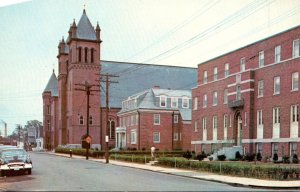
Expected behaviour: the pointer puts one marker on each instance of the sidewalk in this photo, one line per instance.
(239, 181)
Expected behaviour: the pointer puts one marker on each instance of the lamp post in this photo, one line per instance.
(106, 149)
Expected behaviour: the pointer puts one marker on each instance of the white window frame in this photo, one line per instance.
(176, 118)
(185, 100)
(260, 88)
(174, 100)
(215, 122)
(294, 113)
(276, 85)
(295, 81)
(238, 92)
(215, 98)
(204, 123)
(163, 101)
(261, 61)
(225, 121)
(133, 137)
(276, 115)
(277, 58)
(215, 73)
(155, 136)
(226, 72)
(156, 119)
(296, 48)
(196, 126)
(260, 117)
(175, 136)
(195, 103)
(225, 97)
(242, 64)
(204, 101)
(204, 77)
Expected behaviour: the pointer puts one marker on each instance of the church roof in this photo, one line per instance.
(135, 78)
(52, 85)
(85, 30)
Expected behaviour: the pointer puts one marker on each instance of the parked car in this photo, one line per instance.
(13, 159)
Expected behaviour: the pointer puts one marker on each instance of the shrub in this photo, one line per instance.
(201, 156)
(249, 157)
(295, 158)
(286, 159)
(275, 157)
(258, 156)
(187, 155)
(221, 157)
(238, 156)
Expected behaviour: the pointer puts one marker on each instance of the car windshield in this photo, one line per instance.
(12, 153)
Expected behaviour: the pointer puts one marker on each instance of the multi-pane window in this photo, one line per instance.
(174, 102)
(238, 78)
(238, 93)
(296, 48)
(156, 137)
(196, 126)
(293, 147)
(215, 122)
(163, 101)
(261, 59)
(204, 123)
(276, 115)
(91, 120)
(276, 85)
(81, 120)
(175, 137)
(185, 102)
(295, 113)
(295, 81)
(133, 137)
(195, 103)
(226, 72)
(260, 117)
(175, 118)
(215, 98)
(225, 96)
(156, 119)
(204, 101)
(215, 73)
(112, 128)
(225, 121)
(277, 53)
(243, 64)
(260, 90)
(204, 77)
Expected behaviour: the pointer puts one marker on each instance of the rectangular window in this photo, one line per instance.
(215, 73)
(195, 103)
(225, 121)
(196, 126)
(175, 118)
(133, 137)
(226, 72)
(238, 93)
(238, 78)
(225, 96)
(48, 109)
(156, 119)
(163, 101)
(295, 113)
(293, 147)
(204, 101)
(260, 90)
(243, 64)
(185, 102)
(91, 120)
(204, 123)
(276, 85)
(259, 117)
(261, 59)
(296, 48)
(277, 53)
(175, 137)
(215, 122)
(204, 77)
(276, 115)
(295, 81)
(215, 98)
(174, 102)
(156, 137)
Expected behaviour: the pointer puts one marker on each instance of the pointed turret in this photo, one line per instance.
(98, 30)
(85, 30)
(74, 30)
(52, 85)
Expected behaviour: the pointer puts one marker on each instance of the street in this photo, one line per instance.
(55, 173)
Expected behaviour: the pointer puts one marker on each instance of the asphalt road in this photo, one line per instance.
(55, 173)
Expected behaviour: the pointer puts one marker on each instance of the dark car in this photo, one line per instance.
(14, 160)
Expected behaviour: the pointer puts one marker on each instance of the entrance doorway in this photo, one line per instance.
(238, 131)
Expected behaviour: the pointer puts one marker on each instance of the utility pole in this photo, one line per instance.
(107, 83)
(87, 89)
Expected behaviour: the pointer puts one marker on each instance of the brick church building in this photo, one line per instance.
(65, 107)
(250, 97)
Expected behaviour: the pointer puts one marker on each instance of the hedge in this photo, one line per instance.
(131, 158)
(259, 171)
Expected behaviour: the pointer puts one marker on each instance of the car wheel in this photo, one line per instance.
(29, 171)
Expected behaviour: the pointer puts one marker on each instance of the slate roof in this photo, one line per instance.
(135, 78)
(52, 85)
(85, 30)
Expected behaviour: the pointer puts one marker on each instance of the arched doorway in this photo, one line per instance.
(238, 131)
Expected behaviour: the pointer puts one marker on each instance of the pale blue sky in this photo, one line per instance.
(168, 32)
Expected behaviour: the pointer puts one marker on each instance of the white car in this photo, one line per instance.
(14, 160)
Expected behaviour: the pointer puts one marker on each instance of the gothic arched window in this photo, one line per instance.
(79, 54)
(86, 54)
(81, 120)
(112, 129)
(92, 55)
(91, 120)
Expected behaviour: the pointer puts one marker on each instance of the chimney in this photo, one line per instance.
(156, 87)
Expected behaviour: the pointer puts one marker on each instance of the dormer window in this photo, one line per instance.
(163, 101)
(185, 102)
(174, 102)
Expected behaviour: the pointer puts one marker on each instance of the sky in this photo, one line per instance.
(165, 32)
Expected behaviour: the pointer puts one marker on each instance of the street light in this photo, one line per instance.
(106, 149)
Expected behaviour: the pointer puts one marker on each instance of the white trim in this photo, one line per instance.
(244, 141)
(242, 82)
(243, 91)
(212, 141)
